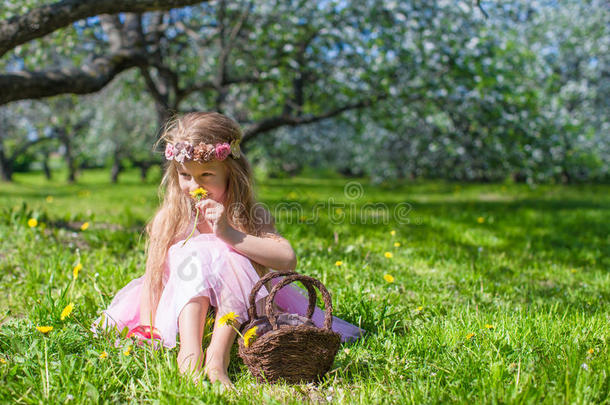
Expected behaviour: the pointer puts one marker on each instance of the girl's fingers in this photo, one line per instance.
(212, 217)
(207, 203)
(211, 211)
(201, 204)
(212, 206)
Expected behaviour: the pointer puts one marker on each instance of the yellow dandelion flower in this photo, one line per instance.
(67, 311)
(573, 271)
(127, 351)
(420, 308)
(591, 351)
(103, 355)
(44, 329)
(84, 226)
(393, 232)
(229, 318)
(32, 222)
(388, 277)
(2, 360)
(338, 263)
(480, 220)
(488, 326)
(199, 193)
(396, 244)
(389, 255)
(250, 335)
(76, 270)
(49, 198)
(469, 336)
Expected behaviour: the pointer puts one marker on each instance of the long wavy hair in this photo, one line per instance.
(172, 221)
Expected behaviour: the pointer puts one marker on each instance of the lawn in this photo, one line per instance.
(486, 293)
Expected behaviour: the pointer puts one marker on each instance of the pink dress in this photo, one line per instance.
(207, 266)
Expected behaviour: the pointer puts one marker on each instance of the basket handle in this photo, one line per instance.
(270, 276)
(309, 282)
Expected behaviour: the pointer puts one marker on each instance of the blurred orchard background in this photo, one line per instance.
(389, 90)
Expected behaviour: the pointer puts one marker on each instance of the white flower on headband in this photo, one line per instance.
(203, 151)
(183, 150)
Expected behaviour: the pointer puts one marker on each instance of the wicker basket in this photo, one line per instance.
(295, 354)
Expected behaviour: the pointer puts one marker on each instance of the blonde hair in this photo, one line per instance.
(171, 222)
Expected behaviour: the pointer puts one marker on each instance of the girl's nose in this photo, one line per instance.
(192, 184)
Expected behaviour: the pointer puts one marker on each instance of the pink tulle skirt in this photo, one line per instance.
(206, 266)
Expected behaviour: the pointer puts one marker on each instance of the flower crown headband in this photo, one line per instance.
(203, 152)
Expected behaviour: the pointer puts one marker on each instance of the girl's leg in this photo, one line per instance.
(219, 353)
(190, 324)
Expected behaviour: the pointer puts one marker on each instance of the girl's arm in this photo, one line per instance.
(272, 251)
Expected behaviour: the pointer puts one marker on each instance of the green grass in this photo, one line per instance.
(499, 292)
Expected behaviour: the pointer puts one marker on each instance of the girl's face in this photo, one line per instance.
(212, 176)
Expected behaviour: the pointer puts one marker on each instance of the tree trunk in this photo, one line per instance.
(45, 166)
(70, 162)
(519, 177)
(144, 171)
(117, 168)
(164, 113)
(6, 171)
(565, 175)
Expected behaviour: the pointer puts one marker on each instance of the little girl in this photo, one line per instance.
(212, 263)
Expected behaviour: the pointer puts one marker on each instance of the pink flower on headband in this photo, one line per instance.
(222, 151)
(169, 151)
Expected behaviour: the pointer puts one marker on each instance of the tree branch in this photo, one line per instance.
(208, 85)
(300, 77)
(159, 97)
(235, 32)
(19, 151)
(272, 123)
(89, 78)
(195, 36)
(48, 18)
(482, 9)
(187, 91)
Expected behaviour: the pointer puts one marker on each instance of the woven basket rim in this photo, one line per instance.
(286, 330)
(288, 278)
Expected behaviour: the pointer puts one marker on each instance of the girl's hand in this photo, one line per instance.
(213, 213)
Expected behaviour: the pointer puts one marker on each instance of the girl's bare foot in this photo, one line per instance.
(189, 365)
(218, 374)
